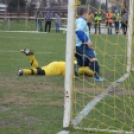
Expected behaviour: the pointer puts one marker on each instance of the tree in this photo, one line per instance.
(16, 3)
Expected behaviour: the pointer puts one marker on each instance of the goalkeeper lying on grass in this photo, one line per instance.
(53, 69)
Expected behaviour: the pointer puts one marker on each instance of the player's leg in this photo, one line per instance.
(99, 23)
(85, 71)
(27, 72)
(76, 70)
(95, 27)
(93, 64)
(33, 61)
(36, 23)
(80, 52)
(126, 24)
(58, 27)
(115, 26)
(95, 68)
(49, 26)
(45, 29)
(40, 25)
(30, 54)
(33, 71)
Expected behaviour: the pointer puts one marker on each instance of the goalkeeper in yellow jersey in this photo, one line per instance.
(53, 69)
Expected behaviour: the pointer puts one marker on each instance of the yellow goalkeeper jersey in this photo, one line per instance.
(54, 68)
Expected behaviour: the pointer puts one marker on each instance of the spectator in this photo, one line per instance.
(90, 20)
(124, 22)
(57, 22)
(39, 16)
(84, 52)
(48, 19)
(109, 21)
(98, 18)
(117, 18)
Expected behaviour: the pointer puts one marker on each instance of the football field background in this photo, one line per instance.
(34, 104)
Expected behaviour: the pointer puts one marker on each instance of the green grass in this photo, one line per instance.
(30, 104)
(22, 25)
(34, 104)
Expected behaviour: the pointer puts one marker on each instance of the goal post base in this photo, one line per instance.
(104, 130)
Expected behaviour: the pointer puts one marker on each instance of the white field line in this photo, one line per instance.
(63, 132)
(28, 38)
(21, 32)
(11, 51)
(21, 38)
(91, 130)
(96, 100)
(117, 55)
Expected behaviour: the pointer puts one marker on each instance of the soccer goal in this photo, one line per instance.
(106, 106)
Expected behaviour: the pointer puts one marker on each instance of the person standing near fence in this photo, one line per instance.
(57, 22)
(109, 21)
(98, 19)
(39, 16)
(117, 18)
(48, 19)
(124, 22)
(90, 20)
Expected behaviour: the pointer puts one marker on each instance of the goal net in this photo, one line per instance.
(106, 106)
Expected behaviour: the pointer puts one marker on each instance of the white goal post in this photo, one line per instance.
(130, 33)
(70, 43)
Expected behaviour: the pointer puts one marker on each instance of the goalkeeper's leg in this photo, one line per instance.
(34, 65)
(32, 71)
(33, 61)
(85, 71)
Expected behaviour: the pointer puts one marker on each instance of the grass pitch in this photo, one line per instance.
(34, 104)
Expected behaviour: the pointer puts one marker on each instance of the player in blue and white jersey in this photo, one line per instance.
(84, 52)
